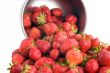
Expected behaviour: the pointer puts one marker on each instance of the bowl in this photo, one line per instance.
(69, 7)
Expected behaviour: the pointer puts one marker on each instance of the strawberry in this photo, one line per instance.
(50, 28)
(15, 52)
(51, 19)
(26, 20)
(85, 44)
(43, 61)
(45, 69)
(34, 53)
(104, 70)
(104, 57)
(68, 44)
(27, 30)
(54, 54)
(35, 33)
(70, 34)
(17, 59)
(59, 23)
(45, 10)
(39, 18)
(67, 26)
(108, 48)
(54, 19)
(71, 19)
(95, 43)
(29, 69)
(60, 37)
(92, 66)
(16, 68)
(36, 9)
(57, 12)
(76, 70)
(43, 45)
(28, 62)
(55, 45)
(57, 68)
(25, 46)
(77, 37)
(74, 57)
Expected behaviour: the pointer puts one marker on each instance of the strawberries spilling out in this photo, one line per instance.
(54, 46)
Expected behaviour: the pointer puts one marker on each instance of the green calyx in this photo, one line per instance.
(41, 19)
(26, 69)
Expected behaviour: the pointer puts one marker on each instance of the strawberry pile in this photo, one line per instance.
(53, 45)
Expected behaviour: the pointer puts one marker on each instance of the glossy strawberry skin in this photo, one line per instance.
(57, 12)
(36, 9)
(96, 43)
(17, 59)
(104, 57)
(43, 61)
(54, 54)
(77, 37)
(43, 45)
(67, 26)
(60, 37)
(68, 44)
(35, 33)
(16, 69)
(50, 28)
(55, 45)
(92, 66)
(74, 57)
(28, 62)
(45, 10)
(71, 19)
(45, 69)
(34, 53)
(85, 45)
(59, 69)
(26, 20)
(25, 46)
(104, 70)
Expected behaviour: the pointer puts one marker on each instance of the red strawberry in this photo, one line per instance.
(44, 61)
(104, 57)
(45, 10)
(70, 34)
(55, 45)
(76, 70)
(45, 69)
(59, 69)
(17, 59)
(54, 19)
(95, 43)
(16, 69)
(77, 36)
(68, 44)
(39, 18)
(26, 20)
(25, 46)
(27, 30)
(35, 33)
(54, 54)
(34, 53)
(108, 48)
(50, 28)
(92, 66)
(28, 62)
(74, 57)
(57, 12)
(59, 23)
(29, 69)
(36, 9)
(43, 45)
(15, 52)
(104, 70)
(67, 26)
(49, 19)
(71, 19)
(60, 37)
(85, 45)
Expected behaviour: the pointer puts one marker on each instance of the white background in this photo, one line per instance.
(98, 24)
